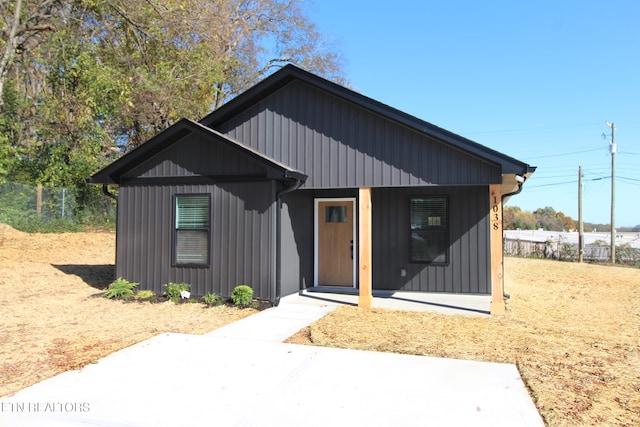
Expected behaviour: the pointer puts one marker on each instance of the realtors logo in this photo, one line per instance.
(26, 407)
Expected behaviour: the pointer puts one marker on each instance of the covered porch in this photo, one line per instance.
(444, 303)
(366, 295)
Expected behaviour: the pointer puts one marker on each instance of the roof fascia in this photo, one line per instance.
(111, 174)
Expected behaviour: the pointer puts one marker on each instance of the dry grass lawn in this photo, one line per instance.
(51, 320)
(573, 331)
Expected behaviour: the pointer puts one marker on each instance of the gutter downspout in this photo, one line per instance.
(504, 196)
(279, 194)
(105, 190)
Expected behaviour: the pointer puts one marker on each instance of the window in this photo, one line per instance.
(191, 237)
(429, 230)
(335, 214)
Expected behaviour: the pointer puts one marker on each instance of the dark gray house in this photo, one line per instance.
(299, 182)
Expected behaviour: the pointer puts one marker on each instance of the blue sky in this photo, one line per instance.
(535, 80)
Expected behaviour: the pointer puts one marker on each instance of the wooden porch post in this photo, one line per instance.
(365, 295)
(498, 306)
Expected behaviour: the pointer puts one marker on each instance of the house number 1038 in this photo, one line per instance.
(495, 214)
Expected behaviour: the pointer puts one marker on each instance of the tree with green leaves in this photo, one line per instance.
(544, 218)
(515, 218)
(83, 81)
(185, 58)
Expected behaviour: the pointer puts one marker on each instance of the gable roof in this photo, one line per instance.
(111, 174)
(289, 73)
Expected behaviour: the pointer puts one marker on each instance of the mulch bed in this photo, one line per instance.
(257, 304)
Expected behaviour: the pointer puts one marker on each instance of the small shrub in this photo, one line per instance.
(519, 249)
(120, 289)
(213, 299)
(242, 295)
(626, 254)
(174, 289)
(567, 251)
(145, 295)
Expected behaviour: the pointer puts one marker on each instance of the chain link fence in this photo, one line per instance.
(38, 208)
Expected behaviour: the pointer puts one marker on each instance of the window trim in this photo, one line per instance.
(446, 230)
(174, 228)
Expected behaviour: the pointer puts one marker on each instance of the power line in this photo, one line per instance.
(554, 176)
(551, 185)
(565, 154)
(575, 181)
(533, 129)
(599, 174)
(628, 181)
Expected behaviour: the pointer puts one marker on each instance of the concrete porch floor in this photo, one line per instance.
(453, 304)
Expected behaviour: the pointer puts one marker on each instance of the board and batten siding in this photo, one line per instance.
(196, 155)
(468, 270)
(242, 243)
(341, 145)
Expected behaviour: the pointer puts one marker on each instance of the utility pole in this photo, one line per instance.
(580, 224)
(613, 148)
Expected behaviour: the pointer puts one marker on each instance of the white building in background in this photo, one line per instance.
(564, 245)
(590, 238)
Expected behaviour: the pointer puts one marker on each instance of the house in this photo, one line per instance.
(298, 183)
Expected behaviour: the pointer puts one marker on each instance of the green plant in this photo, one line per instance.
(242, 295)
(626, 254)
(519, 248)
(120, 289)
(145, 295)
(174, 290)
(213, 299)
(567, 251)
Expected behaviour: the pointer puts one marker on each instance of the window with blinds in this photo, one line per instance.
(191, 242)
(429, 230)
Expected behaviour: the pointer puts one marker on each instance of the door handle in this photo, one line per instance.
(351, 248)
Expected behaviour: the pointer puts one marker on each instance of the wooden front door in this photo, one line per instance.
(335, 242)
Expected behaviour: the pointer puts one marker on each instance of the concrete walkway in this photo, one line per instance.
(242, 375)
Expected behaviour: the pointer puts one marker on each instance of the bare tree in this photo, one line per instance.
(24, 25)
